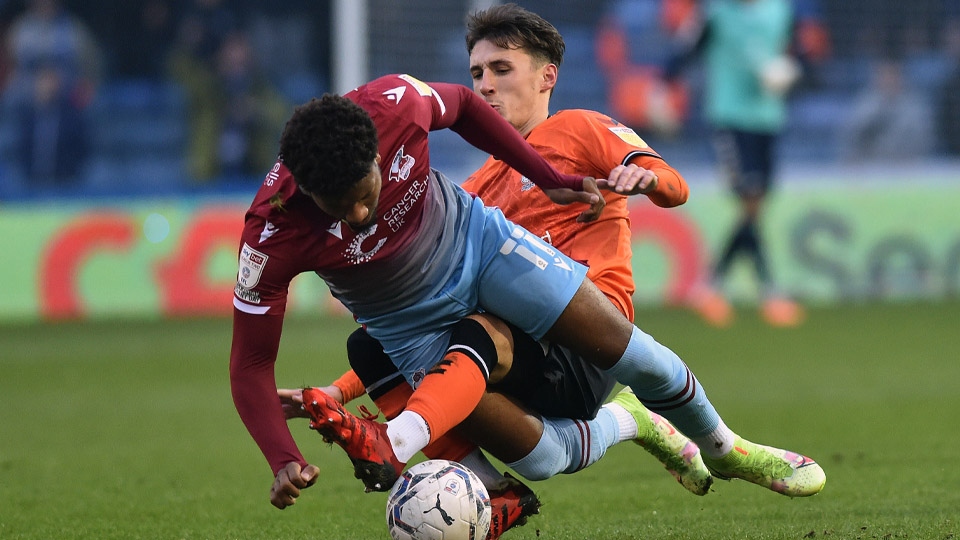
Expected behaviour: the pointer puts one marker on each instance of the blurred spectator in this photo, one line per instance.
(753, 54)
(253, 115)
(200, 33)
(235, 114)
(889, 119)
(54, 71)
(46, 35)
(54, 141)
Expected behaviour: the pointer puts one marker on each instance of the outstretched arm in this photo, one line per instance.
(256, 339)
(345, 389)
(651, 176)
(253, 354)
(480, 125)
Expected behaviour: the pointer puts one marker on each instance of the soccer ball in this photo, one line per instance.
(438, 500)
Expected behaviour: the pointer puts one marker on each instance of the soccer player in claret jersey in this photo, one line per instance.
(387, 234)
(413, 256)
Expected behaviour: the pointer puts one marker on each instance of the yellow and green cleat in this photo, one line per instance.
(679, 455)
(783, 471)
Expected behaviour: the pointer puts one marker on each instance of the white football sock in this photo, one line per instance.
(717, 443)
(626, 422)
(408, 434)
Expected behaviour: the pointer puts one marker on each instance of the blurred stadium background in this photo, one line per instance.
(136, 210)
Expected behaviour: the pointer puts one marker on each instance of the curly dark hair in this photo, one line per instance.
(329, 145)
(510, 26)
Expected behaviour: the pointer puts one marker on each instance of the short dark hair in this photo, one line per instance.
(329, 145)
(510, 26)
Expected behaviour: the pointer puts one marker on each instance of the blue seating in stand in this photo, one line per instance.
(139, 134)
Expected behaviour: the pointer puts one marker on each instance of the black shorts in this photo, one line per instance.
(554, 383)
(746, 159)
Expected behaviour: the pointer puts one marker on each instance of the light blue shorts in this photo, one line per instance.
(505, 270)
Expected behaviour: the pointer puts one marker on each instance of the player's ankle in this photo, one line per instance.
(408, 434)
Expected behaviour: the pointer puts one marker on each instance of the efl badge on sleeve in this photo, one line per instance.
(251, 267)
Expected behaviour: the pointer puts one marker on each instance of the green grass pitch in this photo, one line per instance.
(126, 429)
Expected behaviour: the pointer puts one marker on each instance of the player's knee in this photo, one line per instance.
(475, 337)
(371, 364)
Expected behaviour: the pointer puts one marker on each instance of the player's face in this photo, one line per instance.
(358, 208)
(513, 82)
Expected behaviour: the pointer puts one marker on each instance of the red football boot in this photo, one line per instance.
(365, 441)
(510, 505)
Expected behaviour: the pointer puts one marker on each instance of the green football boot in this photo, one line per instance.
(679, 455)
(778, 470)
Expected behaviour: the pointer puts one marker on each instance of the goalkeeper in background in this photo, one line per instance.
(754, 51)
